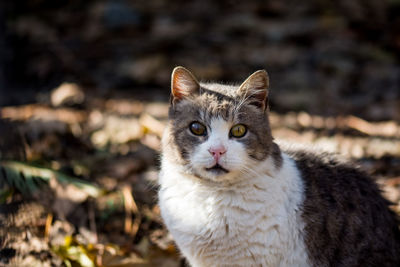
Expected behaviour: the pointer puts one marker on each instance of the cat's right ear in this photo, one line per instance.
(183, 84)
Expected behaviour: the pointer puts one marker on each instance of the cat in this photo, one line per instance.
(230, 196)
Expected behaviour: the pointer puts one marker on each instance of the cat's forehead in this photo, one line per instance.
(230, 91)
(213, 105)
(213, 100)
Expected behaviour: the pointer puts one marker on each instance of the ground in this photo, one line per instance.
(84, 91)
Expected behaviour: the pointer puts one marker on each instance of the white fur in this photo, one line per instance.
(248, 217)
(233, 160)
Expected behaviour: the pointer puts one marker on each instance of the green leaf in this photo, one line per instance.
(28, 178)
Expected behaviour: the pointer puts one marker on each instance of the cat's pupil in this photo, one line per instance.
(238, 130)
(198, 128)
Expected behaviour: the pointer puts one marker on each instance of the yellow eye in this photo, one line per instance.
(239, 130)
(197, 128)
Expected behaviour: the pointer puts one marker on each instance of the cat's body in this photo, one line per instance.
(246, 224)
(231, 197)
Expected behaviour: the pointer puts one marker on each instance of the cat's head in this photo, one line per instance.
(218, 132)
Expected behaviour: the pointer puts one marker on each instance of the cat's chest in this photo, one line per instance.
(202, 209)
(219, 214)
(222, 228)
(230, 228)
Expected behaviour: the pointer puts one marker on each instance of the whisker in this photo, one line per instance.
(251, 171)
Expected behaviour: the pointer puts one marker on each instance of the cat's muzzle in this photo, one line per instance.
(217, 169)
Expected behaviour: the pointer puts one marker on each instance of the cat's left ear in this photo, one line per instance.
(183, 84)
(255, 89)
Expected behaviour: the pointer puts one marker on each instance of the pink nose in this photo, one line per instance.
(217, 152)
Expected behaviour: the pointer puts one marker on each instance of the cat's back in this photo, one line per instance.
(347, 221)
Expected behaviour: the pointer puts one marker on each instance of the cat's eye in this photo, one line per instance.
(197, 128)
(239, 130)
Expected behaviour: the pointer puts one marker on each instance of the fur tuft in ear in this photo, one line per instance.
(255, 89)
(183, 84)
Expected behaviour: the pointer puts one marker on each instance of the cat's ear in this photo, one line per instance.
(183, 84)
(255, 89)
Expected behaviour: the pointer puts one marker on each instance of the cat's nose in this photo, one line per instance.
(217, 151)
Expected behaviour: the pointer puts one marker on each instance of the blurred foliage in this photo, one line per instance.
(27, 178)
(74, 254)
(342, 53)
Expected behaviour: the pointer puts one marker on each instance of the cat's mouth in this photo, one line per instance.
(217, 169)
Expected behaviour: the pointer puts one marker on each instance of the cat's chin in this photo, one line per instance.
(217, 170)
(215, 174)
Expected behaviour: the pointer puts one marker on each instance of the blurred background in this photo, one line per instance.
(84, 87)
